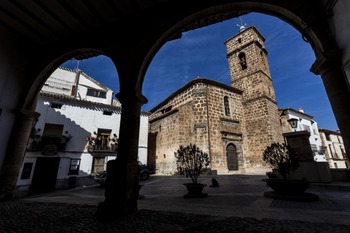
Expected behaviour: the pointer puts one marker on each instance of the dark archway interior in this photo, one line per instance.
(39, 39)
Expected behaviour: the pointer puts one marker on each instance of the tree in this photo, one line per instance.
(191, 161)
(281, 157)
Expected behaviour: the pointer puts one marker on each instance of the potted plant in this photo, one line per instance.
(192, 162)
(283, 160)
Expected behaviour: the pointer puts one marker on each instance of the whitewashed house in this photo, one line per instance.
(75, 135)
(333, 146)
(305, 122)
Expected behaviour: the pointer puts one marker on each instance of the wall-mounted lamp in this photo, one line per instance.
(293, 123)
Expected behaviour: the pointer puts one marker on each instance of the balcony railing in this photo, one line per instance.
(102, 148)
(48, 145)
(102, 144)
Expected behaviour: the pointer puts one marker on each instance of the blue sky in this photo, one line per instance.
(202, 52)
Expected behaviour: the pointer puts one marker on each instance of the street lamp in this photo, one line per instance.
(294, 123)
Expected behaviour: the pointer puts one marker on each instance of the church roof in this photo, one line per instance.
(193, 82)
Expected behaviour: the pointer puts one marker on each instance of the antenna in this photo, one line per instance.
(241, 26)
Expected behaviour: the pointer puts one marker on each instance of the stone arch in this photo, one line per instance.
(314, 34)
(308, 21)
(312, 27)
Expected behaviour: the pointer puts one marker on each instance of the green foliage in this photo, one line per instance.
(191, 161)
(281, 157)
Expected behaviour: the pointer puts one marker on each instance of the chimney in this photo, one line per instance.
(301, 110)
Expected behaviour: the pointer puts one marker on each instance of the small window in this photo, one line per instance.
(74, 167)
(56, 105)
(27, 169)
(307, 128)
(328, 138)
(167, 109)
(313, 147)
(96, 93)
(242, 61)
(226, 106)
(108, 113)
(239, 40)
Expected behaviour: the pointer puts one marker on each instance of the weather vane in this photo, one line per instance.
(241, 26)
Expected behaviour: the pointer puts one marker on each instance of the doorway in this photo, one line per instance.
(98, 164)
(45, 175)
(232, 159)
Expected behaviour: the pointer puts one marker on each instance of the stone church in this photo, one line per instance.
(233, 124)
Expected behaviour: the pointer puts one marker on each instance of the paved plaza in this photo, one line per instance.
(237, 205)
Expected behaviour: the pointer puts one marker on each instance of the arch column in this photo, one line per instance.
(330, 69)
(122, 184)
(131, 58)
(15, 152)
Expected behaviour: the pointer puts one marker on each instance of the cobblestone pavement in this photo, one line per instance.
(237, 205)
(35, 217)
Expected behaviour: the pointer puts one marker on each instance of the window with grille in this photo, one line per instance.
(227, 106)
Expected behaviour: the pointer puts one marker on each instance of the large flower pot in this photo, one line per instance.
(291, 190)
(288, 186)
(195, 190)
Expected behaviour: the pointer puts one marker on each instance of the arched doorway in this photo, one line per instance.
(232, 158)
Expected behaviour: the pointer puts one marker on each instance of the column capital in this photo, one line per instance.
(31, 115)
(325, 62)
(131, 97)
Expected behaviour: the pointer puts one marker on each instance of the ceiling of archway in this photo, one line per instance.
(49, 21)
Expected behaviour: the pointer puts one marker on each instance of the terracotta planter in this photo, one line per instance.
(288, 186)
(195, 190)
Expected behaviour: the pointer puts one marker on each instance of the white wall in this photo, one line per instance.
(143, 139)
(80, 118)
(306, 123)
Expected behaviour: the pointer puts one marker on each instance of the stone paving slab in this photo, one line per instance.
(238, 200)
(35, 217)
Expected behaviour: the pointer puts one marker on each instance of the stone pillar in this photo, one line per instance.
(299, 142)
(334, 80)
(15, 153)
(122, 184)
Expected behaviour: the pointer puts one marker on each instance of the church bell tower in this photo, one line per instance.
(250, 72)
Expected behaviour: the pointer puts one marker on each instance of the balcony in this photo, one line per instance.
(48, 145)
(103, 145)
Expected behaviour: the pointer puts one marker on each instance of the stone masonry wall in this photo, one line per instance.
(262, 120)
(219, 123)
(199, 120)
(187, 124)
(259, 101)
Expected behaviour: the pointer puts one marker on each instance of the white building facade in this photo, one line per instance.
(75, 135)
(305, 123)
(333, 146)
